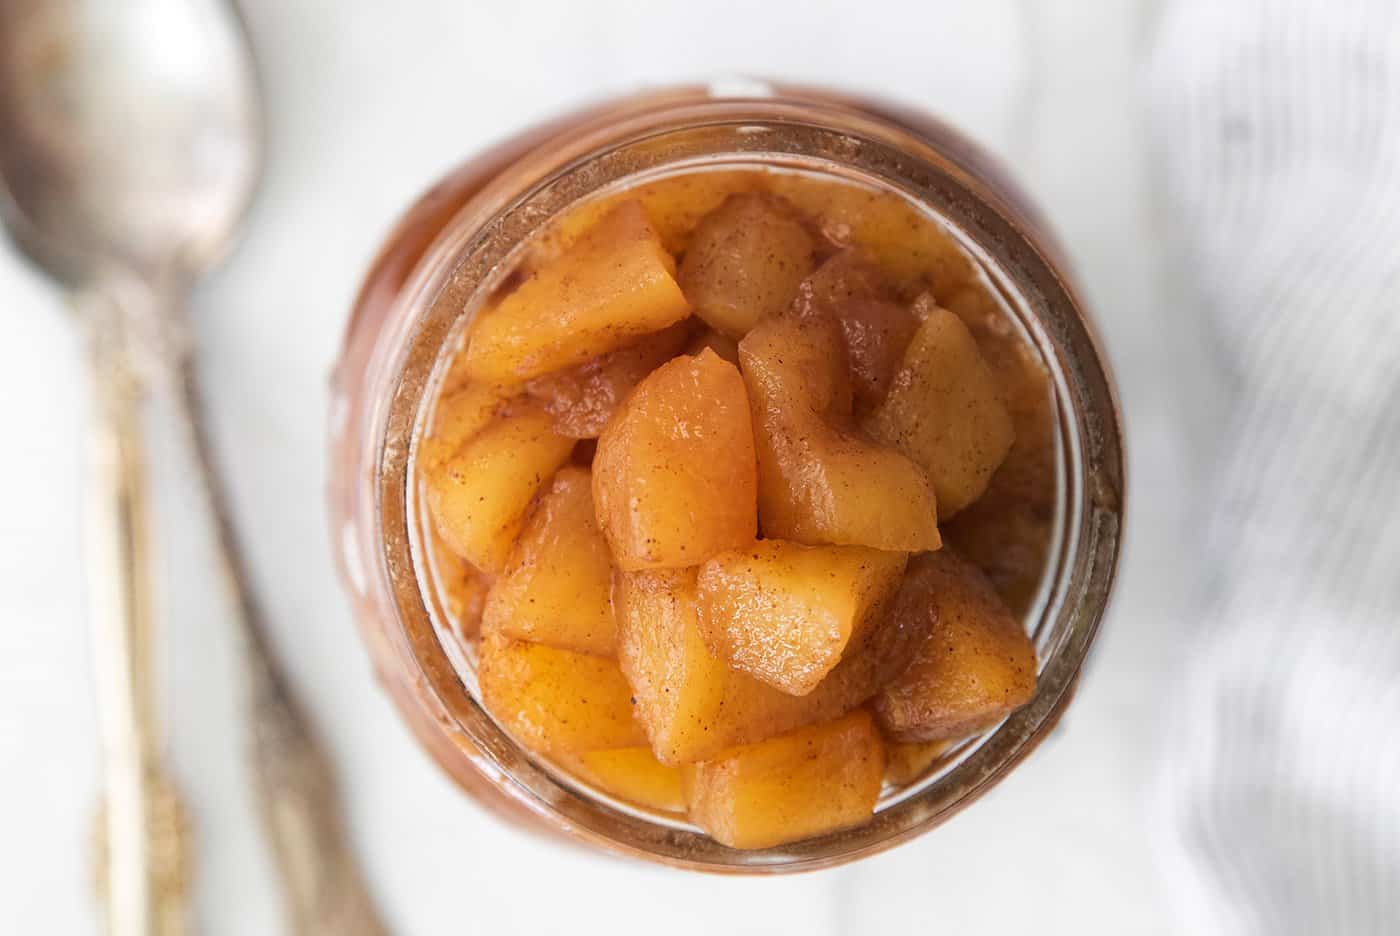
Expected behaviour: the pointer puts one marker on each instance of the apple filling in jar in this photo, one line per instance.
(739, 488)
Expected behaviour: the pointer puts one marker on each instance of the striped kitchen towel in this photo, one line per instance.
(1276, 128)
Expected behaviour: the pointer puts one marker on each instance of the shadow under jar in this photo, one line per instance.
(458, 243)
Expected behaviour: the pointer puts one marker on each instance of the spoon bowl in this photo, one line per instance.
(130, 134)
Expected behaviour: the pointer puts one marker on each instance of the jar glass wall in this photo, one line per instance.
(455, 244)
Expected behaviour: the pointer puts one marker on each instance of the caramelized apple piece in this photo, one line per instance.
(610, 288)
(907, 762)
(693, 706)
(556, 589)
(459, 416)
(909, 246)
(784, 613)
(674, 205)
(814, 780)
(801, 363)
(460, 584)
(556, 701)
(1006, 532)
(972, 668)
(674, 478)
(478, 497)
(877, 334)
(944, 410)
(582, 399)
(680, 689)
(632, 774)
(846, 276)
(875, 325)
(745, 262)
(819, 483)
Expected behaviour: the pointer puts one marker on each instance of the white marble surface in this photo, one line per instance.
(368, 102)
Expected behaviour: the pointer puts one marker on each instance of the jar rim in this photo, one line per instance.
(951, 179)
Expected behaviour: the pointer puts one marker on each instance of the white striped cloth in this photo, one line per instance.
(1276, 126)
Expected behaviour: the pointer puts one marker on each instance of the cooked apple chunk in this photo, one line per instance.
(675, 477)
(877, 332)
(846, 276)
(461, 585)
(819, 483)
(974, 666)
(459, 416)
(556, 701)
(633, 774)
(907, 762)
(583, 399)
(679, 688)
(557, 585)
(694, 706)
(1006, 533)
(614, 285)
(876, 326)
(479, 496)
(784, 613)
(915, 251)
(945, 411)
(814, 780)
(745, 262)
(674, 204)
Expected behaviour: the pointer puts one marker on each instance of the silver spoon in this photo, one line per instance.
(130, 144)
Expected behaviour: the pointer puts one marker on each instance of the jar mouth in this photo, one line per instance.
(480, 244)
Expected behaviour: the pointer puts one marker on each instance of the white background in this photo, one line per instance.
(368, 102)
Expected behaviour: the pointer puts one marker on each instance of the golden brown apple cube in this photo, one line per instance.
(633, 774)
(912, 250)
(877, 333)
(907, 762)
(875, 325)
(1006, 533)
(556, 589)
(674, 204)
(745, 262)
(461, 585)
(613, 286)
(846, 276)
(944, 410)
(583, 399)
(479, 496)
(556, 701)
(675, 476)
(693, 706)
(800, 364)
(785, 613)
(972, 668)
(459, 416)
(812, 781)
(819, 483)
(679, 687)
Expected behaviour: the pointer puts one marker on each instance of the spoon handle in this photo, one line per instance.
(324, 888)
(141, 838)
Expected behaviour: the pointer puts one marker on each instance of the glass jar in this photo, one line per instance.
(409, 314)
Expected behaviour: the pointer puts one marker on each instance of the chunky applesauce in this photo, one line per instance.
(739, 489)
